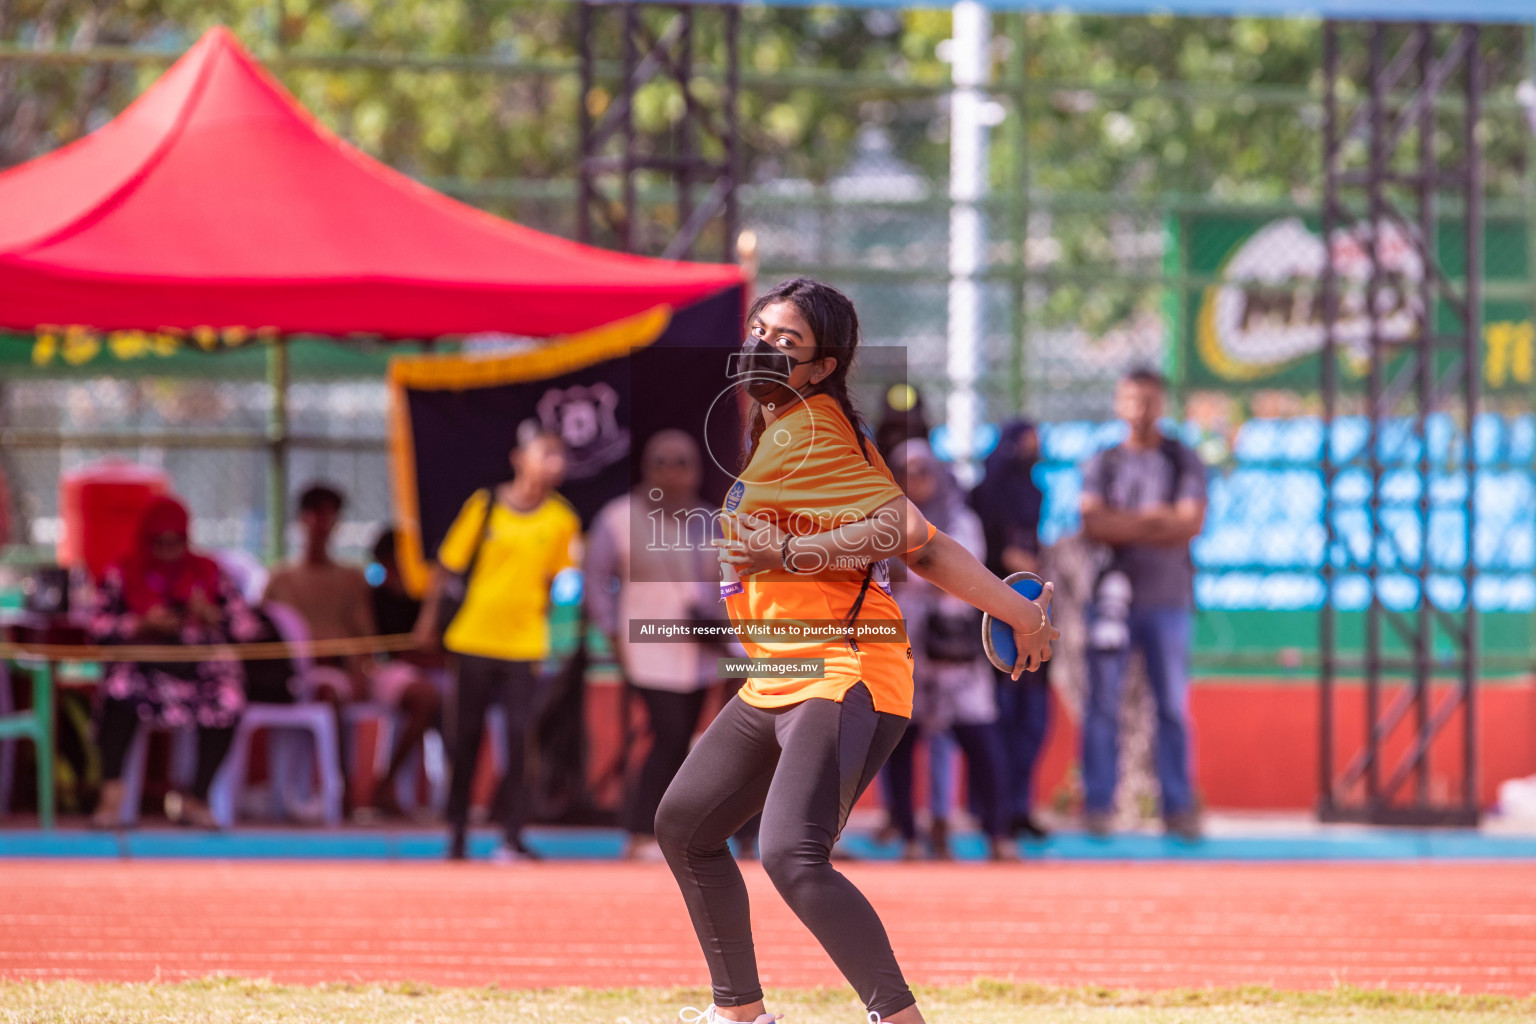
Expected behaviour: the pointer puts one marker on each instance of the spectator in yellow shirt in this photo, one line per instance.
(509, 541)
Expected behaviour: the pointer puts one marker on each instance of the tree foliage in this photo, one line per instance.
(1106, 123)
(1129, 107)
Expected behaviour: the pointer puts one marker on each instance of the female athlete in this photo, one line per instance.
(811, 520)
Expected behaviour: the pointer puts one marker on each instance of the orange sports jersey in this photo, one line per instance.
(808, 475)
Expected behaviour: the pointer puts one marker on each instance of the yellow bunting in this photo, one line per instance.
(77, 344)
(166, 343)
(207, 338)
(46, 348)
(81, 345)
(128, 344)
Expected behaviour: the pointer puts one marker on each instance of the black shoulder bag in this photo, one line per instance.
(952, 636)
(455, 588)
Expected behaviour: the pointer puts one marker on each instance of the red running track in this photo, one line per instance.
(1444, 926)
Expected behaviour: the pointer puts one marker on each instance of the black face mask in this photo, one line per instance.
(763, 369)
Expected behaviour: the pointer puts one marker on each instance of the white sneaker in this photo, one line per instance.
(505, 854)
(712, 1016)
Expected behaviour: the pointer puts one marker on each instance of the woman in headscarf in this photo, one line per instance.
(1009, 503)
(953, 689)
(164, 594)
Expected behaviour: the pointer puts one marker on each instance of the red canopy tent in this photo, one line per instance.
(215, 200)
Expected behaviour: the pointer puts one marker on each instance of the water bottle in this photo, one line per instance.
(1110, 630)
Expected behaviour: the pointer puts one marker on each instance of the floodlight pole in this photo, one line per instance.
(969, 108)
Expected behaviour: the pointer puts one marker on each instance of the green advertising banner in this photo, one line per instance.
(1258, 321)
(229, 354)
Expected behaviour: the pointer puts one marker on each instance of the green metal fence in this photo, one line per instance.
(1131, 159)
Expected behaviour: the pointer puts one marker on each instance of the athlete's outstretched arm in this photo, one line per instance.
(899, 529)
(945, 563)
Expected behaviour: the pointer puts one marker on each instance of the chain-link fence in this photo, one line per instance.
(211, 438)
(1154, 187)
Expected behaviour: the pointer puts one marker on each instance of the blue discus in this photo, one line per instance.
(996, 635)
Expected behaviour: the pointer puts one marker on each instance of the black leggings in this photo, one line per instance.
(119, 722)
(803, 766)
(478, 684)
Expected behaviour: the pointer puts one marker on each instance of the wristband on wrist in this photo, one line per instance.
(784, 555)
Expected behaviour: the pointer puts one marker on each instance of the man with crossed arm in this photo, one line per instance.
(1144, 500)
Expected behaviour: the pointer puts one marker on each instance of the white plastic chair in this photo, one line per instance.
(182, 768)
(288, 754)
(245, 570)
(431, 758)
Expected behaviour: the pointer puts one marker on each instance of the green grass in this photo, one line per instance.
(228, 1000)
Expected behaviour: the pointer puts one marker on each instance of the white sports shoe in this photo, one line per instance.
(506, 854)
(712, 1016)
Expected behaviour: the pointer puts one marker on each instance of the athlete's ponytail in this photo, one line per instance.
(839, 391)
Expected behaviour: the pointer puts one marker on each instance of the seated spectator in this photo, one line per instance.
(953, 691)
(164, 594)
(411, 680)
(337, 604)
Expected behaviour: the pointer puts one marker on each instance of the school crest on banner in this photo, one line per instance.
(454, 418)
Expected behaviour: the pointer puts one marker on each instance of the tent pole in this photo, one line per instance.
(277, 448)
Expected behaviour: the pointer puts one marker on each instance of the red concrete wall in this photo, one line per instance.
(1257, 742)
